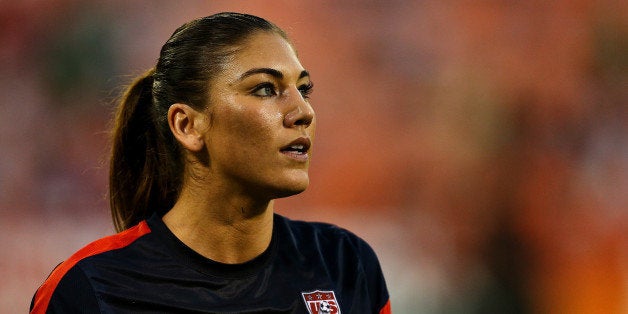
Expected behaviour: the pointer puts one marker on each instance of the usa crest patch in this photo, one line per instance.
(321, 302)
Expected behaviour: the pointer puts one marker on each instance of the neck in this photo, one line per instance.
(229, 229)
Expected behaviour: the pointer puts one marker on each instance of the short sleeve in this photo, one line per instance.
(378, 292)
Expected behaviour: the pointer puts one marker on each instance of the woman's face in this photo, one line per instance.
(261, 122)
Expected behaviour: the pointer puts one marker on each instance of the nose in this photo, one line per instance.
(302, 114)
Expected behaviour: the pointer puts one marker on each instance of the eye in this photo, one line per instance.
(306, 89)
(264, 90)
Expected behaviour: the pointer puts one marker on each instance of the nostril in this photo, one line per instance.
(303, 121)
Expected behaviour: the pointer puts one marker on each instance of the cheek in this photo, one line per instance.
(247, 127)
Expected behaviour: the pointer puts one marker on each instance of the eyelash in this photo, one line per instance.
(305, 90)
(264, 86)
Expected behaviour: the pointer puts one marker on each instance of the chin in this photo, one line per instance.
(291, 191)
(290, 188)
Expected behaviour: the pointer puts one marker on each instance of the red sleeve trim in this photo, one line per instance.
(386, 309)
(113, 242)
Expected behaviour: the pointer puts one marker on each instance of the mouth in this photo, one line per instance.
(298, 149)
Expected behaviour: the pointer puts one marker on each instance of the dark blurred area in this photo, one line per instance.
(481, 147)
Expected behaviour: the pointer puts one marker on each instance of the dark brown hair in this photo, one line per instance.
(147, 165)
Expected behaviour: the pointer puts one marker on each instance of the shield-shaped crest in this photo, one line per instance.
(321, 302)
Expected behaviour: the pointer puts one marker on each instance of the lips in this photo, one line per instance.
(297, 149)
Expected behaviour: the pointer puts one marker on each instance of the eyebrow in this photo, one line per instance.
(272, 72)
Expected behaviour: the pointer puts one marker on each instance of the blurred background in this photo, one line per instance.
(481, 147)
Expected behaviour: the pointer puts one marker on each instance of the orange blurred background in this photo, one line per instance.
(481, 147)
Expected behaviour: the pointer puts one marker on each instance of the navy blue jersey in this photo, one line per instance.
(311, 268)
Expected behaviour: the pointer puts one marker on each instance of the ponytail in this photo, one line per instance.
(144, 166)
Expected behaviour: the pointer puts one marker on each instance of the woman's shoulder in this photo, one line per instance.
(339, 254)
(109, 243)
(313, 228)
(68, 275)
(324, 234)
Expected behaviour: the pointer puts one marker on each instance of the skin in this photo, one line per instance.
(235, 151)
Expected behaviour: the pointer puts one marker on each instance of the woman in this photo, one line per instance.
(202, 145)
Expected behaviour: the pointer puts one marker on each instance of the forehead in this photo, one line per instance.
(265, 50)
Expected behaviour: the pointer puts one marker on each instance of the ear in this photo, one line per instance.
(188, 126)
